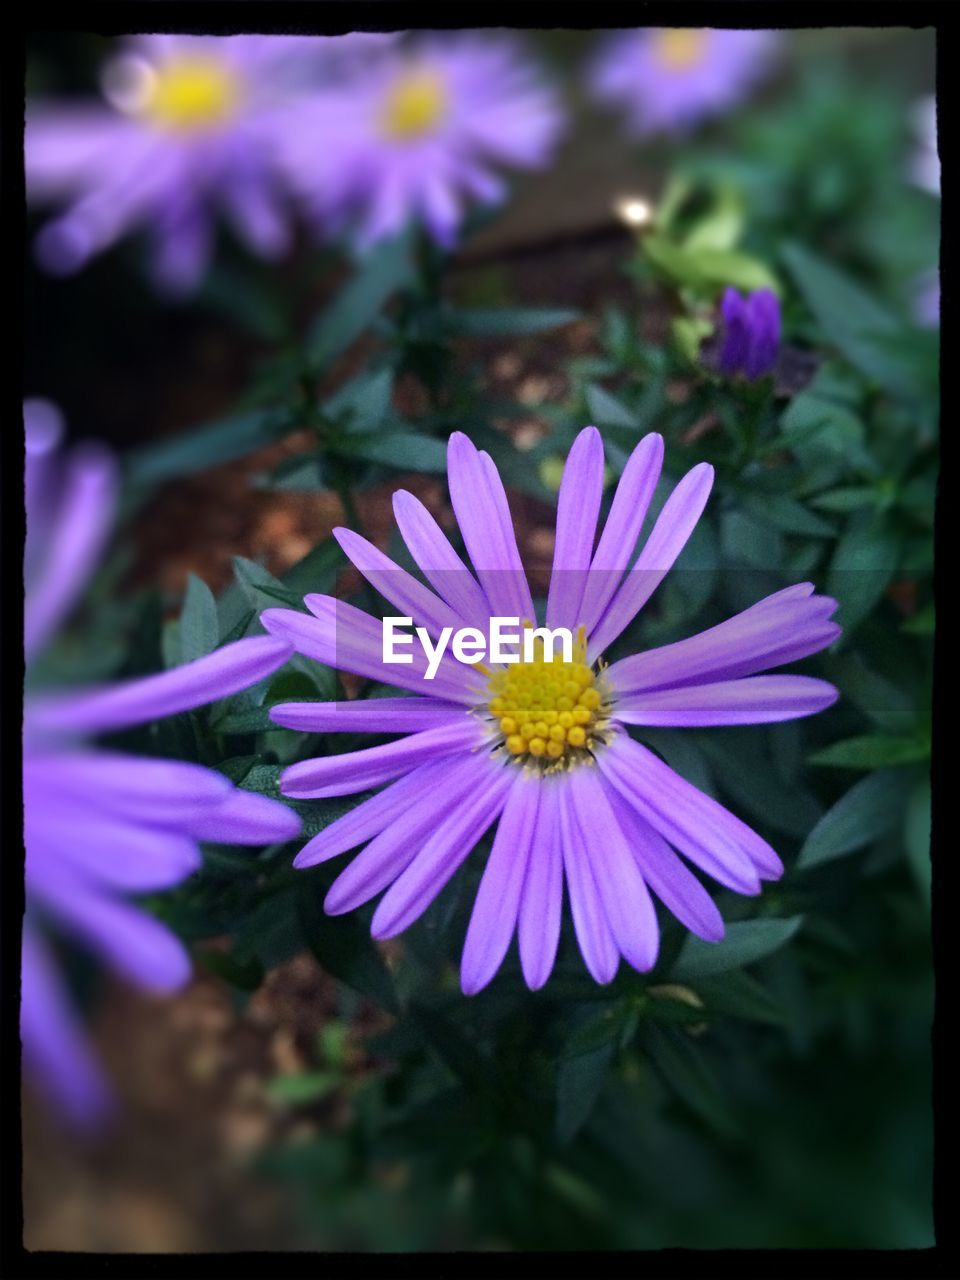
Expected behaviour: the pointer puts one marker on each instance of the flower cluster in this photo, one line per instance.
(750, 333)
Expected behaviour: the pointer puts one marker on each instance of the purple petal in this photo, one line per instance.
(396, 846)
(113, 852)
(667, 875)
(578, 506)
(218, 675)
(755, 700)
(690, 820)
(438, 561)
(590, 922)
(404, 592)
(166, 792)
(618, 540)
(784, 627)
(541, 900)
(247, 818)
(376, 715)
(74, 544)
(667, 539)
(372, 816)
(483, 515)
(447, 847)
(56, 1054)
(354, 771)
(338, 635)
(626, 903)
(497, 902)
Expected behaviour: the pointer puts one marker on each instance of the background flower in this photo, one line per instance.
(190, 130)
(101, 825)
(669, 79)
(421, 133)
(750, 333)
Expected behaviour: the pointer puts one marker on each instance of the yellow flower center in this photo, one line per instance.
(551, 714)
(191, 94)
(415, 105)
(680, 48)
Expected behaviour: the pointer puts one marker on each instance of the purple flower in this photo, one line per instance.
(750, 334)
(190, 130)
(542, 748)
(100, 825)
(926, 300)
(666, 80)
(419, 133)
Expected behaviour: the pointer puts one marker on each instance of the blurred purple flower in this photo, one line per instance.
(926, 300)
(418, 133)
(669, 79)
(750, 334)
(542, 748)
(190, 130)
(98, 824)
(924, 163)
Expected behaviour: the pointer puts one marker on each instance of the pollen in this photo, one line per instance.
(679, 48)
(414, 106)
(549, 714)
(191, 94)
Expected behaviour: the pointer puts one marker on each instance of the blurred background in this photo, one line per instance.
(251, 1113)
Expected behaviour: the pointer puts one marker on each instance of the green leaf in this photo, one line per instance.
(302, 473)
(868, 810)
(850, 317)
(405, 450)
(873, 751)
(863, 563)
(505, 322)
(739, 995)
(814, 423)
(364, 401)
(917, 834)
(708, 269)
(786, 514)
(209, 446)
(745, 942)
(311, 1086)
(261, 588)
(343, 946)
(683, 1070)
(583, 1070)
(385, 269)
(606, 410)
(199, 624)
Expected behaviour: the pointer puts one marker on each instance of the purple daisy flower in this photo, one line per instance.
(190, 130)
(100, 825)
(669, 79)
(542, 747)
(750, 334)
(418, 133)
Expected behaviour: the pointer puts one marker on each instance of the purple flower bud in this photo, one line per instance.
(750, 334)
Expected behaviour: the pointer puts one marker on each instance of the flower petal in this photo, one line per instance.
(375, 715)
(667, 875)
(667, 539)
(218, 675)
(111, 851)
(541, 900)
(784, 627)
(754, 700)
(618, 540)
(483, 515)
(590, 922)
(403, 591)
(497, 902)
(247, 818)
(690, 820)
(627, 906)
(578, 506)
(438, 561)
(447, 847)
(354, 771)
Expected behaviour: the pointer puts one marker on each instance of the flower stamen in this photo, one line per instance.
(680, 48)
(414, 105)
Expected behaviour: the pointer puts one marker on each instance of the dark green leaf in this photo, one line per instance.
(873, 751)
(505, 322)
(868, 810)
(385, 269)
(745, 942)
(199, 624)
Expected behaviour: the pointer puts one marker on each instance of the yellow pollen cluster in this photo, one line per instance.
(547, 711)
(680, 48)
(191, 94)
(414, 106)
